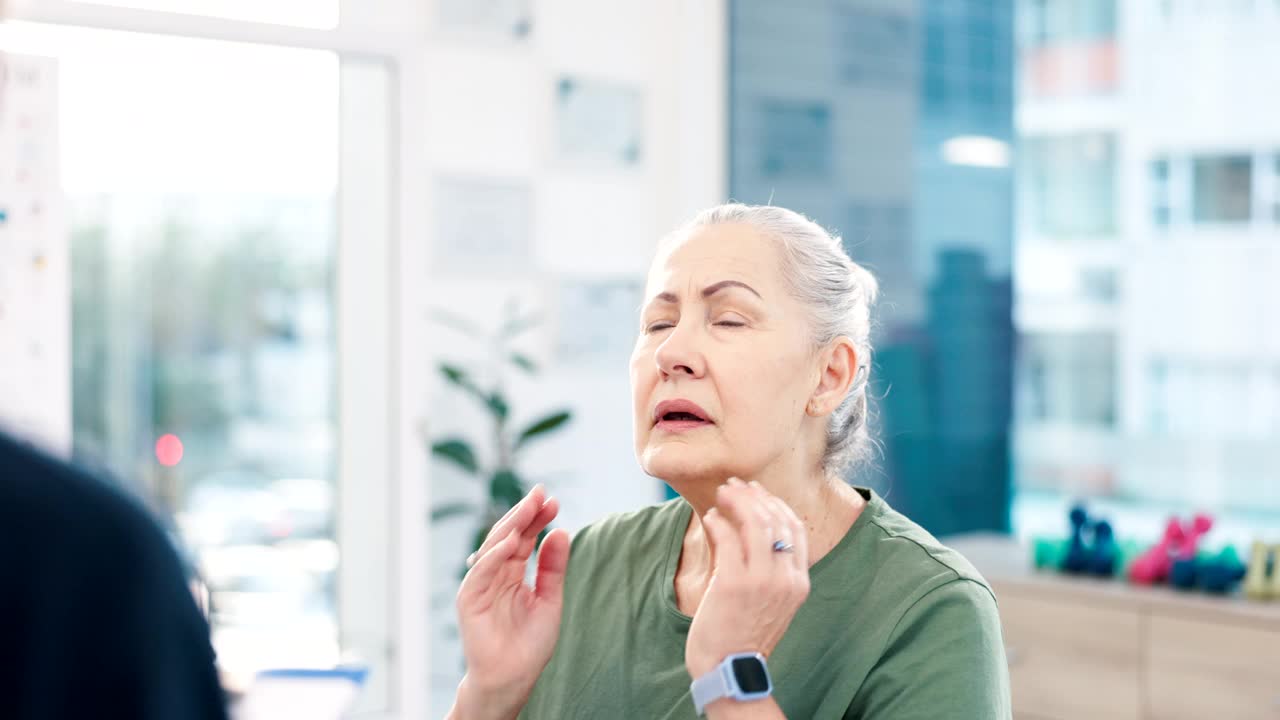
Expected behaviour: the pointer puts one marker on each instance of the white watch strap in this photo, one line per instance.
(709, 688)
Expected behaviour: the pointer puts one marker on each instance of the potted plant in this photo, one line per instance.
(498, 468)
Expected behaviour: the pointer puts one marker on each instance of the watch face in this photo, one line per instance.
(751, 675)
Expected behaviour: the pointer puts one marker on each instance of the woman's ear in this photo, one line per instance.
(837, 371)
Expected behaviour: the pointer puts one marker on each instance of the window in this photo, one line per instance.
(1275, 188)
(935, 87)
(875, 47)
(1203, 395)
(880, 237)
(1058, 21)
(1157, 396)
(1099, 284)
(1071, 184)
(935, 42)
(1072, 377)
(203, 350)
(981, 91)
(1161, 196)
(982, 55)
(599, 124)
(795, 139)
(511, 18)
(1222, 189)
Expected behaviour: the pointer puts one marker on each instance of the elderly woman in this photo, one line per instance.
(770, 588)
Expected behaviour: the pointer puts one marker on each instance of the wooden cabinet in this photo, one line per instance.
(1088, 648)
(1071, 660)
(1201, 668)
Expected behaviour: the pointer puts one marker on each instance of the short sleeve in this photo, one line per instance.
(944, 658)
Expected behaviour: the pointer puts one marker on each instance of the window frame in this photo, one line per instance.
(381, 523)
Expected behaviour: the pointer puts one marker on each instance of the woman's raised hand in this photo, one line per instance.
(509, 629)
(756, 588)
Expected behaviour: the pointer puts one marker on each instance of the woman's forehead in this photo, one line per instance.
(713, 254)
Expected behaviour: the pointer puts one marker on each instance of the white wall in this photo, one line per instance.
(35, 296)
(491, 108)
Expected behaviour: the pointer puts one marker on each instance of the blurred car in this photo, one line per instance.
(242, 508)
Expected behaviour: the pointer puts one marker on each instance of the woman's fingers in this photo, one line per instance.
(529, 536)
(743, 509)
(726, 542)
(517, 518)
(553, 561)
(761, 519)
(779, 528)
(799, 537)
(481, 576)
(762, 530)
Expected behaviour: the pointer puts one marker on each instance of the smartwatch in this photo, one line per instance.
(741, 677)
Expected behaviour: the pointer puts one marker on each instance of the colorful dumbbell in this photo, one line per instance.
(1214, 573)
(1222, 572)
(1263, 579)
(1179, 543)
(1092, 547)
(1153, 566)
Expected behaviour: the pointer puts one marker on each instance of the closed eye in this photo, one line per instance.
(731, 323)
(658, 326)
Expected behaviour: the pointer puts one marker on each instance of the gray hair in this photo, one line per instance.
(838, 294)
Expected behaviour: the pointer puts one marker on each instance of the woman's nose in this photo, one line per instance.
(679, 355)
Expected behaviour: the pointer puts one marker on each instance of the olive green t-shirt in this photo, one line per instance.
(896, 627)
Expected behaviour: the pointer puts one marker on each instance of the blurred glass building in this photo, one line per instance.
(1098, 329)
(892, 124)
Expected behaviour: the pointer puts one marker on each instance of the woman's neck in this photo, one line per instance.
(816, 498)
(826, 506)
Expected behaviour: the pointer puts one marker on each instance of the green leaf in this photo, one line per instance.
(455, 375)
(543, 426)
(517, 325)
(457, 322)
(448, 510)
(505, 488)
(524, 362)
(498, 405)
(458, 452)
(459, 378)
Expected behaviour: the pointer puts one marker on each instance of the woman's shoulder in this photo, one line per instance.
(933, 618)
(904, 554)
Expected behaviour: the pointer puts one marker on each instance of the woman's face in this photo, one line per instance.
(724, 366)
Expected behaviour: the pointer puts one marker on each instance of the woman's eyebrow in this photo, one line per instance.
(672, 299)
(713, 289)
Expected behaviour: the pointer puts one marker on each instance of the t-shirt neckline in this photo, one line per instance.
(681, 525)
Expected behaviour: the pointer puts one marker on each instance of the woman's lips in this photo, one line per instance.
(680, 425)
(680, 415)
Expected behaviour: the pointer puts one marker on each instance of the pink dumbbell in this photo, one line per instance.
(1152, 566)
(1200, 526)
(1179, 542)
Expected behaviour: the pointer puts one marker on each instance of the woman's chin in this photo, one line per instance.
(676, 463)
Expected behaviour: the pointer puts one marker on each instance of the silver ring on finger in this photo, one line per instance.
(782, 546)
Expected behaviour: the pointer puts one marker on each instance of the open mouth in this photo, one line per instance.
(679, 415)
